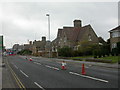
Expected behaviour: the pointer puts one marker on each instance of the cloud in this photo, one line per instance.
(27, 20)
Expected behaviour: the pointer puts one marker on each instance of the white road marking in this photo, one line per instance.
(37, 63)
(15, 66)
(90, 65)
(23, 73)
(39, 85)
(52, 67)
(89, 77)
(85, 66)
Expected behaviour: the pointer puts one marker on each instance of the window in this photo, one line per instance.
(114, 45)
(65, 39)
(115, 34)
(89, 38)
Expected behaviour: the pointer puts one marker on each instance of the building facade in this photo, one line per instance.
(41, 48)
(114, 37)
(73, 36)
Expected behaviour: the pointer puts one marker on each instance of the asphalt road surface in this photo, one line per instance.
(46, 73)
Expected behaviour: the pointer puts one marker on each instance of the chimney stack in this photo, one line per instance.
(43, 38)
(77, 23)
(30, 42)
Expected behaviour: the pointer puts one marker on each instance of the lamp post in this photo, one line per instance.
(48, 31)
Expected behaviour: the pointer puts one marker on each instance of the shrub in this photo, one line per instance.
(65, 51)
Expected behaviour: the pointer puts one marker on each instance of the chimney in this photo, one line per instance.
(77, 23)
(30, 42)
(43, 38)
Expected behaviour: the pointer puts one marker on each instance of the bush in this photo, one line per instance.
(65, 51)
(25, 52)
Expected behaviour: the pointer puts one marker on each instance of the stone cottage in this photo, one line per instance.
(72, 36)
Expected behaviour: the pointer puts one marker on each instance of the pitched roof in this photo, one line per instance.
(74, 33)
(117, 28)
(82, 31)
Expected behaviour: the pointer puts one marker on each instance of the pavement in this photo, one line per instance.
(7, 79)
(46, 73)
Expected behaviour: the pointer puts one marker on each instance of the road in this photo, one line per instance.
(46, 73)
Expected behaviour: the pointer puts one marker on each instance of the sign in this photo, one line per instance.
(1, 43)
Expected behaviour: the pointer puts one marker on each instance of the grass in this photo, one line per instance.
(81, 57)
(113, 58)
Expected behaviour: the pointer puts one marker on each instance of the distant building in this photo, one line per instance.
(114, 37)
(28, 46)
(72, 36)
(41, 48)
(16, 48)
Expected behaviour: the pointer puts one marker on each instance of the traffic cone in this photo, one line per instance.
(83, 70)
(30, 59)
(63, 65)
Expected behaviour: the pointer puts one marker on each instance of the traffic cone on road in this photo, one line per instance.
(30, 59)
(63, 67)
(83, 69)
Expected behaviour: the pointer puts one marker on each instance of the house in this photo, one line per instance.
(114, 37)
(41, 48)
(73, 36)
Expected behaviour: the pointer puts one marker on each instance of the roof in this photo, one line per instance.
(117, 28)
(82, 31)
(75, 33)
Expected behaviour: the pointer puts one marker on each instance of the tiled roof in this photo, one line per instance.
(75, 33)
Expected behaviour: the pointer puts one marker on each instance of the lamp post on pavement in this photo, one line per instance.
(48, 31)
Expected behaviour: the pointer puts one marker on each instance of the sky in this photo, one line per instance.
(23, 21)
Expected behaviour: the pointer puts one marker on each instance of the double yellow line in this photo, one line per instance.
(19, 83)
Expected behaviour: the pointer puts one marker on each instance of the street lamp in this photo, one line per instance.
(48, 31)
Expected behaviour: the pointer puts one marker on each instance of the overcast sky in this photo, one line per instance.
(23, 21)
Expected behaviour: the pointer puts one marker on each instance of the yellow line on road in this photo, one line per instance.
(16, 78)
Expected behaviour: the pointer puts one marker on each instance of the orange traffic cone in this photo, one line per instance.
(63, 65)
(83, 70)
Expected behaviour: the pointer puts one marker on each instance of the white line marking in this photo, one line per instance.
(52, 67)
(23, 73)
(89, 77)
(39, 86)
(15, 66)
(37, 63)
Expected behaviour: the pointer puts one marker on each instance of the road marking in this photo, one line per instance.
(85, 66)
(90, 65)
(23, 73)
(37, 63)
(52, 67)
(89, 77)
(19, 83)
(15, 66)
(39, 85)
